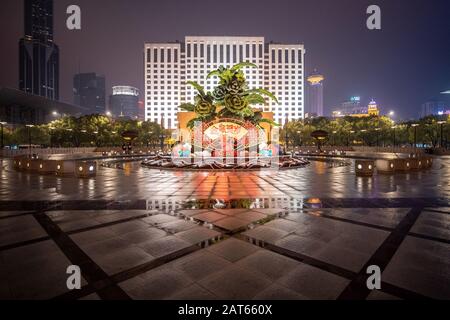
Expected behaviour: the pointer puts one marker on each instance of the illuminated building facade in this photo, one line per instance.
(124, 102)
(169, 65)
(354, 109)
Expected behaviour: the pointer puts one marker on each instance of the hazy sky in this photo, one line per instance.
(401, 66)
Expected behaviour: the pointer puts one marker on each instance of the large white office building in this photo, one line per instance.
(169, 65)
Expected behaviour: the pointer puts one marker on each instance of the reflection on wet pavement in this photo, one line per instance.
(308, 233)
(317, 180)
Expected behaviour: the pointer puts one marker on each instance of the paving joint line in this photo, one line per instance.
(357, 288)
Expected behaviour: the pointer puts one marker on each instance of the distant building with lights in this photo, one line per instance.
(349, 107)
(434, 107)
(124, 102)
(89, 92)
(314, 91)
(169, 65)
(353, 108)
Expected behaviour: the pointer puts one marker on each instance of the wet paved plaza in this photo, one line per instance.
(317, 180)
(308, 233)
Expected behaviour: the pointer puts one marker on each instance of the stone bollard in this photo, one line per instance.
(386, 166)
(32, 165)
(47, 167)
(402, 165)
(19, 163)
(86, 169)
(64, 168)
(364, 167)
(416, 164)
(428, 162)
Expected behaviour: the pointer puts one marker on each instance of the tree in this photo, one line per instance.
(37, 135)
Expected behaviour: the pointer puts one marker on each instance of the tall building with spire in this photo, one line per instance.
(315, 95)
(38, 54)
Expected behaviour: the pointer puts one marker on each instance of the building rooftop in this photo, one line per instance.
(10, 97)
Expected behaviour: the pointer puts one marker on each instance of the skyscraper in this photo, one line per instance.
(315, 94)
(89, 92)
(124, 102)
(169, 65)
(38, 54)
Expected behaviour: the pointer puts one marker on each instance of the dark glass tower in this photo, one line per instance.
(89, 92)
(39, 56)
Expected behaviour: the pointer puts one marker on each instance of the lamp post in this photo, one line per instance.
(2, 142)
(364, 140)
(148, 141)
(441, 123)
(286, 137)
(29, 126)
(377, 130)
(415, 125)
(348, 137)
(51, 136)
(393, 127)
(334, 138)
(299, 138)
(162, 141)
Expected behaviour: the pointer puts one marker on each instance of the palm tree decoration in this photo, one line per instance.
(232, 94)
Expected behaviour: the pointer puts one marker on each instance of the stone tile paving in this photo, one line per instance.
(289, 254)
(297, 234)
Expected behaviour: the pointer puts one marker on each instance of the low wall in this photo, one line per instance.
(45, 151)
(406, 150)
(135, 149)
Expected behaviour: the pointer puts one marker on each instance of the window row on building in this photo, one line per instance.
(168, 67)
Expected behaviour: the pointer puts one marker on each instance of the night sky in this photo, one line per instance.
(401, 66)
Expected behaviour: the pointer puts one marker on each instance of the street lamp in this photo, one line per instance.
(51, 136)
(108, 113)
(162, 141)
(29, 126)
(348, 137)
(378, 136)
(393, 127)
(442, 132)
(364, 140)
(391, 113)
(149, 139)
(2, 143)
(415, 125)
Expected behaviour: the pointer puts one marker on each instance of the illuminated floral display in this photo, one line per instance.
(231, 98)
